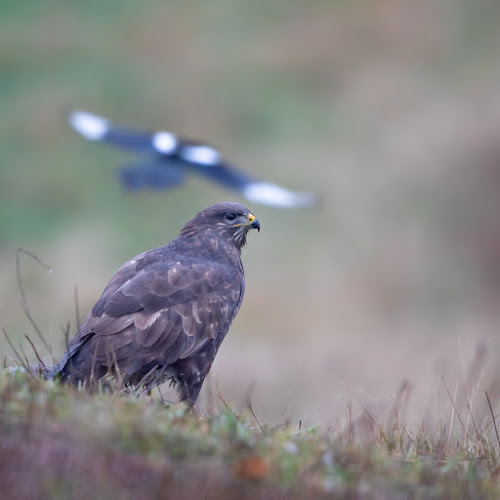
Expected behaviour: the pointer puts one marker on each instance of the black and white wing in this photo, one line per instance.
(171, 156)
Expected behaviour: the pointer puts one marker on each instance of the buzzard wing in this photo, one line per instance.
(158, 315)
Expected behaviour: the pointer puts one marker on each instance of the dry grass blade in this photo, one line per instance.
(400, 403)
(224, 402)
(473, 420)
(18, 356)
(35, 351)
(117, 370)
(77, 308)
(94, 359)
(456, 410)
(24, 301)
(65, 332)
(371, 419)
(147, 379)
(452, 417)
(162, 399)
(493, 417)
(25, 357)
(249, 404)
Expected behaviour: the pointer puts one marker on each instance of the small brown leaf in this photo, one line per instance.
(252, 467)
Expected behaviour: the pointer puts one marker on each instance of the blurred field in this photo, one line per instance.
(389, 109)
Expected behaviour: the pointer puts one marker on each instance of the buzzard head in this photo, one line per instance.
(230, 221)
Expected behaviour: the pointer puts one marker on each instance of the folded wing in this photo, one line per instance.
(153, 318)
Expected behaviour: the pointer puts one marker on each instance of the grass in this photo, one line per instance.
(58, 442)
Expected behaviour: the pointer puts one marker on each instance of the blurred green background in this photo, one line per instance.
(389, 109)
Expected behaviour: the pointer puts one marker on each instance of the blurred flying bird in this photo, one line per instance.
(165, 313)
(170, 157)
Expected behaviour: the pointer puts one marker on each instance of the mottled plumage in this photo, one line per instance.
(164, 314)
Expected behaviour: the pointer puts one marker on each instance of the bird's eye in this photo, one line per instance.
(230, 216)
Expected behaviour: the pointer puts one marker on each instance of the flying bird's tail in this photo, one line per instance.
(171, 154)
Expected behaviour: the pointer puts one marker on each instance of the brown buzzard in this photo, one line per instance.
(165, 313)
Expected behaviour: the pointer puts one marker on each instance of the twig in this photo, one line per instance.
(493, 416)
(24, 301)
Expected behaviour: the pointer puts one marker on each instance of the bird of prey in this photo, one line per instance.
(164, 313)
(168, 158)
